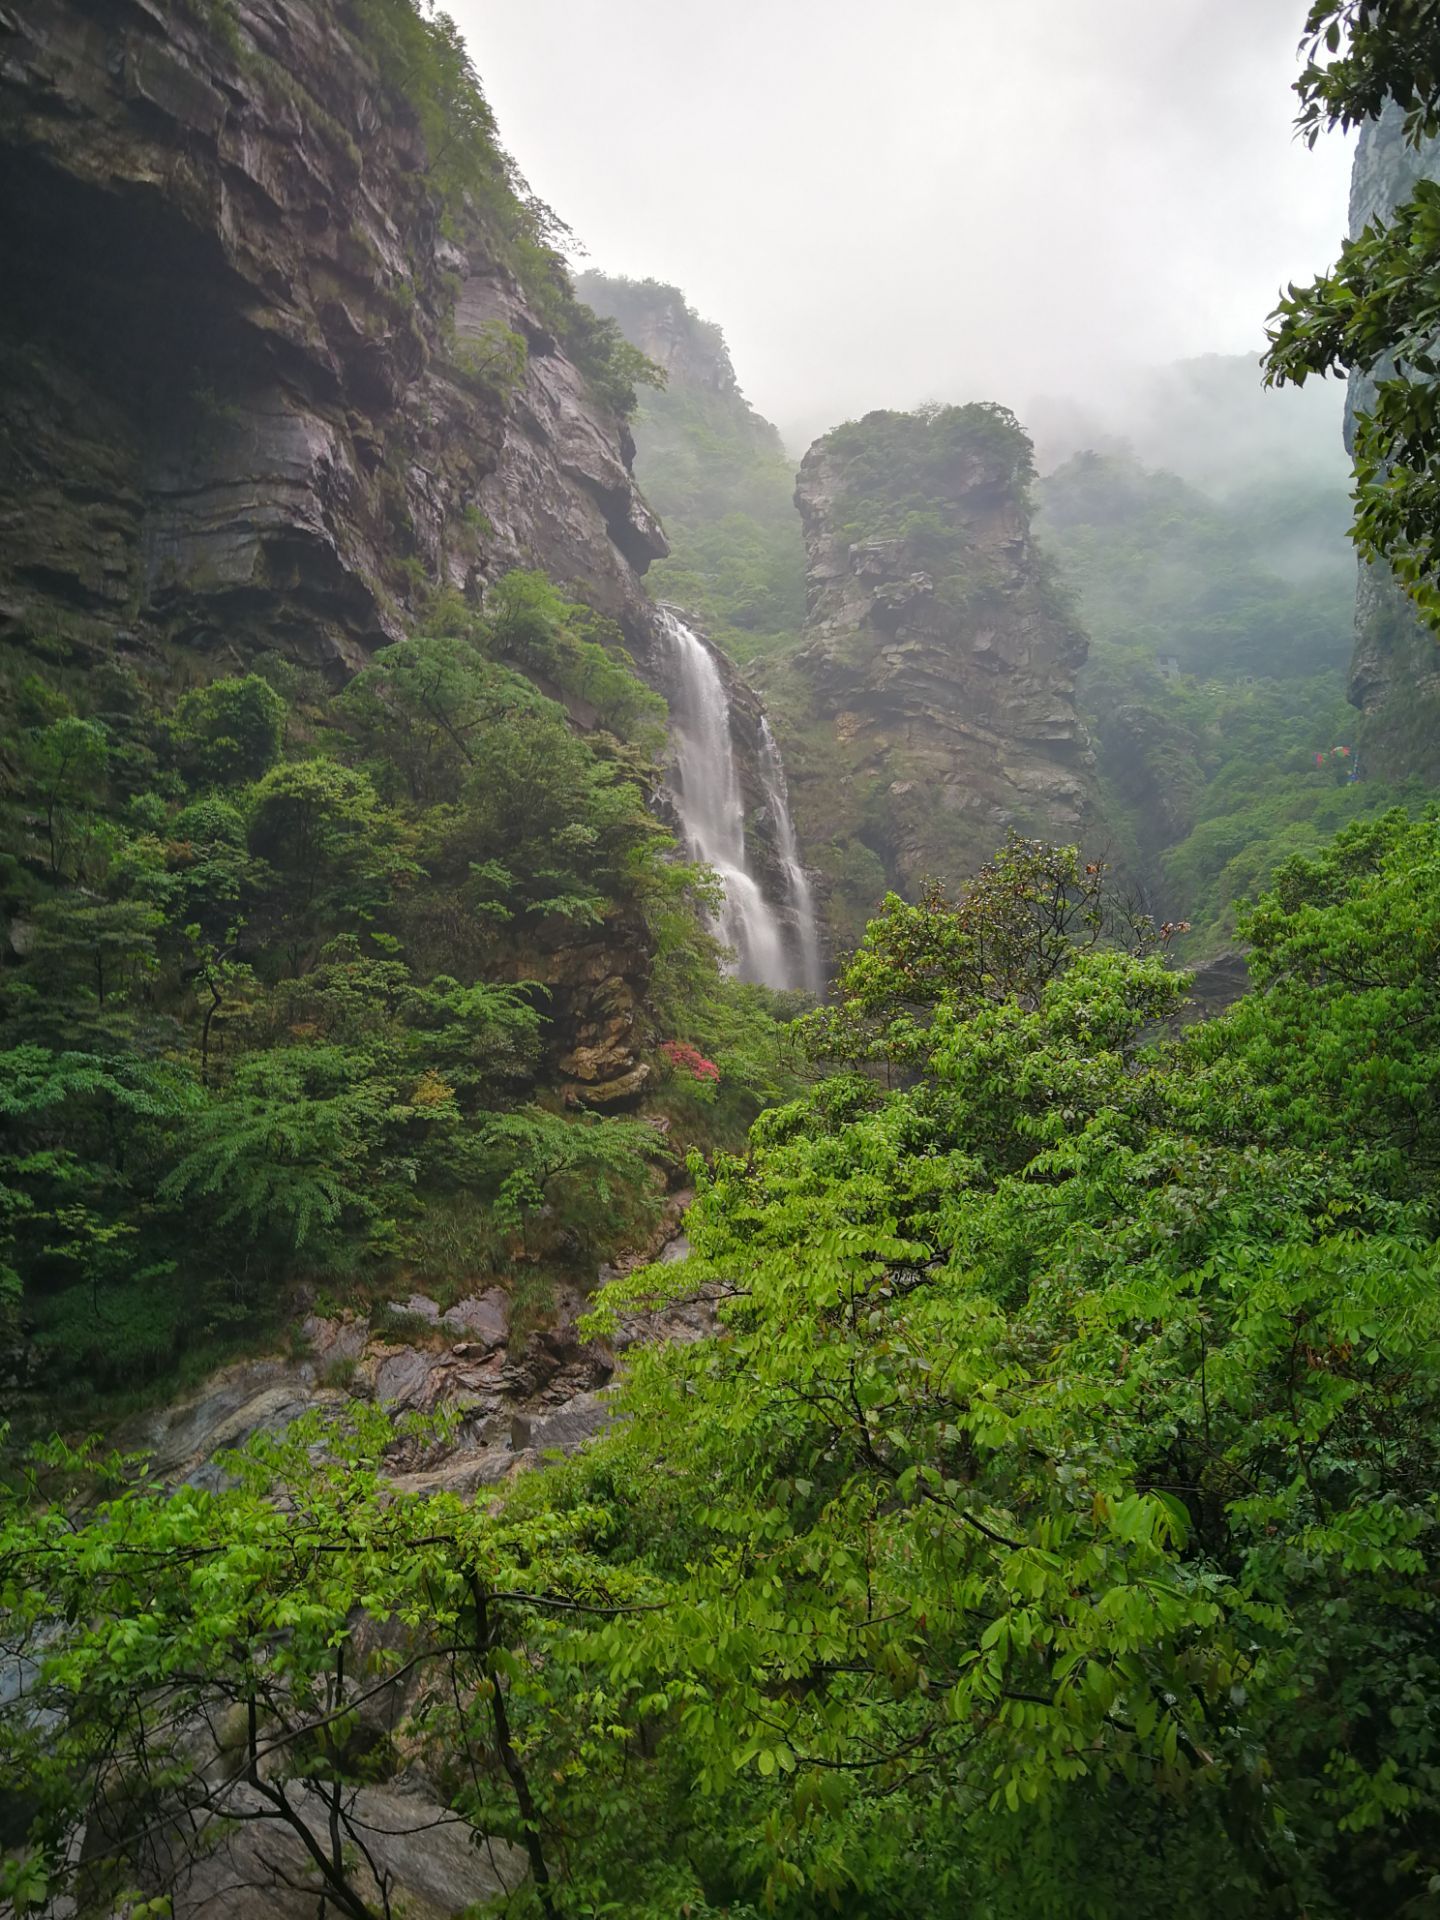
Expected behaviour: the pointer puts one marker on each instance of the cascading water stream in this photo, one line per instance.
(708, 798)
(797, 880)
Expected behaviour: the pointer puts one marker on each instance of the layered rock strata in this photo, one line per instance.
(246, 398)
(254, 394)
(246, 392)
(932, 708)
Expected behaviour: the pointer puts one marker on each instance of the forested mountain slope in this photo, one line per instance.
(716, 471)
(1221, 630)
(336, 910)
(989, 1419)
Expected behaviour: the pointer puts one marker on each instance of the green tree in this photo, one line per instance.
(84, 1290)
(593, 1173)
(230, 730)
(90, 967)
(1043, 1477)
(330, 845)
(287, 1154)
(1049, 1526)
(1378, 312)
(418, 706)
(1017, 927)
(66, 763)
(283, 1613)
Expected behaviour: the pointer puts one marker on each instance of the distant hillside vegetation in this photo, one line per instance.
(714, 470)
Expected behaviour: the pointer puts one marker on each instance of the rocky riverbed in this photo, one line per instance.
(515, 1397)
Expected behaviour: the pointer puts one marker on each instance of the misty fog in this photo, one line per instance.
(1042, 203)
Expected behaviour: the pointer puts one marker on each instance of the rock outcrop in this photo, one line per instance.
(423, 1860)
(517, 1392)
(246, 394)
(660, 321)
(254, 396)
(1395, 671)
(933, 706)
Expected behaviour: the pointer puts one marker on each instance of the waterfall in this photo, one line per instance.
(797, 880)
(708, 798)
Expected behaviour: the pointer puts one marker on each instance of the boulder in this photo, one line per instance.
(438, 1867)
(565, 1429)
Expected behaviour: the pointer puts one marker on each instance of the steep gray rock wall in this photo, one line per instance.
(932, 708)
(238, 407)
(1395, 670)
(244, 400)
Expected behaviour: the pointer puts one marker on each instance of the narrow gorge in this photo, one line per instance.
(890, 605)
(717, 1156)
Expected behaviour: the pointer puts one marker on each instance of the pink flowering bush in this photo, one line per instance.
(687, 1059)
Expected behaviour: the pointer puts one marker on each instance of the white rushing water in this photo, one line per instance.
(811, 968)
(708, 798)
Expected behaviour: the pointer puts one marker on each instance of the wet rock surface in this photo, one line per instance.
(511, 1400)
(233, 343)
(239, 410)
(426, 1855)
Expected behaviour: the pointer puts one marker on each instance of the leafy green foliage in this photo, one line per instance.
(1065, 1466)
(230, 730)
(1361, 54)
(1212, 785)
(242, 1611)
(290, 977)
(65, 762)
(495, 357)
(1049, 1526)
(1378, 312)
(1017, 927)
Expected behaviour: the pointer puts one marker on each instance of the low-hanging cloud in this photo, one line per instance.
(939, 199)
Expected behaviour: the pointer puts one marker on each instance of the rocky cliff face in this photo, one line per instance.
(244, 369)
(933, 706)
(252, 396)
(661, 322)
(1395, 671)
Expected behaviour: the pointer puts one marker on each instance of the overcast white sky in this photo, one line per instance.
(950, 199)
